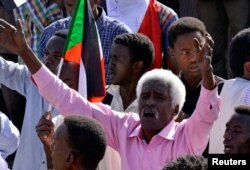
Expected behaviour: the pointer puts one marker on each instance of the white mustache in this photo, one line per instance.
(150, 111)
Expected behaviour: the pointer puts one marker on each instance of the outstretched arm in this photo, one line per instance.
(12, 38)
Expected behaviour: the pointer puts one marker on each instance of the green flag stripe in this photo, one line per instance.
(76, 29)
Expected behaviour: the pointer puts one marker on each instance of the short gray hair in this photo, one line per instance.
(176, 87)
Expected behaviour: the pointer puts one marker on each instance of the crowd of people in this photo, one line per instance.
(177, 88)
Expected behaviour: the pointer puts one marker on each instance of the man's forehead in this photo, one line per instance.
(56, 38)
(154, 84)
(157, 82)
(240, 119)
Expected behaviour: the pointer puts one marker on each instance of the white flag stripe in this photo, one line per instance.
(82, 84)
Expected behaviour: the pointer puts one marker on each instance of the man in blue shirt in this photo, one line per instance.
(108, 29)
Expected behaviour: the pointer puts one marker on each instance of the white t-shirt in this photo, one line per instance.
(9, 136)
(3, 164)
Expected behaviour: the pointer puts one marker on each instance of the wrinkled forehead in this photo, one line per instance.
(154, 85)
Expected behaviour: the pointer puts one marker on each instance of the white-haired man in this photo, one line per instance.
(147, 140)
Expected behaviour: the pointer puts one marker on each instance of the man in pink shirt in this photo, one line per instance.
(147, 140)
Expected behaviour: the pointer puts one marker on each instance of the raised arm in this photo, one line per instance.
(12, 38)
(198, 126)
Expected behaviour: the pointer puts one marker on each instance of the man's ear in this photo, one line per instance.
(70, 159)
(171, 61)
(247, 66)
(171, 52)
(176, 110)
(138, 66)
(246, 72)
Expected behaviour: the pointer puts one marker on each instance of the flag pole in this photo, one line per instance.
(50, 109)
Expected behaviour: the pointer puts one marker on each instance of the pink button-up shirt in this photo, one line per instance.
(124, 131)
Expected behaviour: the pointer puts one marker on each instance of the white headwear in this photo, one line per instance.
(130, 12)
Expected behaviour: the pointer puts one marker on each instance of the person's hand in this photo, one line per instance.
(12, 38)
(45, 129)
(203, 52)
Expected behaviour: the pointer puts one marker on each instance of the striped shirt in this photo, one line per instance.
(35, 15)
(49, 31)
(246, 99)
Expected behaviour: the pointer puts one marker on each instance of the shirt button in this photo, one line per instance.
(43, 162)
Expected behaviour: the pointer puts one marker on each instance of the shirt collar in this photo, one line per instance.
(137, 132)
(167, 133)
(113, 89)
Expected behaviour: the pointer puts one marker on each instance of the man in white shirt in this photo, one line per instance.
(235, 91)
(9, 139)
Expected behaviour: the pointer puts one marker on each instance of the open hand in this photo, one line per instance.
(12, 38)
(203, 52)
